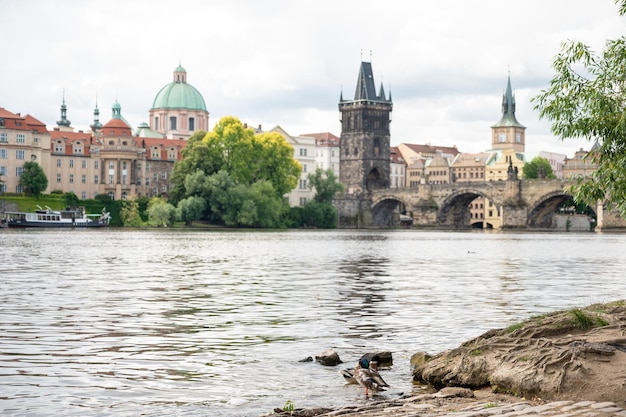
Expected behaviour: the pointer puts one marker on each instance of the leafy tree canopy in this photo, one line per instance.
(538, 168)
(587, 99)
(33, 178)
(326, 185)
(160, 212)
(246, 157)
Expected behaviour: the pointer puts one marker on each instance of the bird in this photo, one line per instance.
(366, 374)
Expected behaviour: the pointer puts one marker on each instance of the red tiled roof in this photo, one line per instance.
(163, 143)
(34, 124)
(7, 114)
(429, 149)
(395, 155)
(324, 138)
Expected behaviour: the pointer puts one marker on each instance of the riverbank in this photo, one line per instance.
(566, 363)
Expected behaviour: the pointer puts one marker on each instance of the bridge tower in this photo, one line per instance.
(364, 163)
(508, 133)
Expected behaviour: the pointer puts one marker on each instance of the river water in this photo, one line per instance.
(214, 323)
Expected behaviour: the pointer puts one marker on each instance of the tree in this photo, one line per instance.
(160, 212)
(587, 99)
(33, 178)
(191, 209)
(246, 157)
(242, 176)
(130, 213)
(326, 185)
(538, 168)
(321, 215)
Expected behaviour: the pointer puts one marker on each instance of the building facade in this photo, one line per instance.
(22, 139)
(365, 137)
(304, 152)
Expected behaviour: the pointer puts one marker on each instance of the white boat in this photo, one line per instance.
(70, 217)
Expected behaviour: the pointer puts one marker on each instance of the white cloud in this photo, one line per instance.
(279, 62)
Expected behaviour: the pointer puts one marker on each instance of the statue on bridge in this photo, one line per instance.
(513, 172)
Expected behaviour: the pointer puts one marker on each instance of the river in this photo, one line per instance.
(214, 323)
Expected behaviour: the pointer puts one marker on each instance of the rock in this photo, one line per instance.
(307, 359)
(419, 359)
(385, 358)
(569, 355)
(449, 392)
(328, 358)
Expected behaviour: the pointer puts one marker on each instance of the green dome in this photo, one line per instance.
(179, 94)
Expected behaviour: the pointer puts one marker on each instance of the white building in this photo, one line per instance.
(304, 152)
(326, 152)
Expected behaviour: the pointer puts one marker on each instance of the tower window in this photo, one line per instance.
(173, 123)
(192, 124)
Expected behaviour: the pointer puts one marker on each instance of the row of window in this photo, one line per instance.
(19, 154)
(19, 138)
(191, 123)
(96, 164)
(4, 171)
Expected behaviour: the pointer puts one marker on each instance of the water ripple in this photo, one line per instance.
(214, 323)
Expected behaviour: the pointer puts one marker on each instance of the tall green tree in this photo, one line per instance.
(33, 179)
(160, 212)
(587, 99)
(320, 212)
(130, 213)
(326, 185)
(191, 209)
(228, 166)
(538, 168)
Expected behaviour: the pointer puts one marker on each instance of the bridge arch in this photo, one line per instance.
(542, 211)
(386, 210)
(455, 209)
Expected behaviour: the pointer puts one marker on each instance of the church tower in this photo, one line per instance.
(508, 133)
(364, 163)
(64, 124)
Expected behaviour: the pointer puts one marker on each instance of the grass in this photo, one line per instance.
(582, 320)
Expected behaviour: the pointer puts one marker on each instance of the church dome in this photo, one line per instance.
(179, 94)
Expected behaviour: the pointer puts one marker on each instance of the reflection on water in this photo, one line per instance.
(194, 323)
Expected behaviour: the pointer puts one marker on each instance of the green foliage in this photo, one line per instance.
(33, 179)
(130, 213)
(319, 215)
(581, 320)
(240, 176)
(238, 205)
(160, 212)
(587, 99)
(191, 209)
(104, 198)
(71, 200)
(289, 407)
(538, 168)
(326, 185)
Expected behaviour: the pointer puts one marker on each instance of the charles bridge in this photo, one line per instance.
(522, 204)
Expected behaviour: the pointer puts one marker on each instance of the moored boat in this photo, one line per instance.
(70, 217)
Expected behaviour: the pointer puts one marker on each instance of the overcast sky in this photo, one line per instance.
(275, 62)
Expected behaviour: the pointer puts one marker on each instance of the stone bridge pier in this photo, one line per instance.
(522, 204)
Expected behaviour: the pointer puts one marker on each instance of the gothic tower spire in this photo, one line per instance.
(508, 133)
(365, 137)
(64, 122)
(96, 125)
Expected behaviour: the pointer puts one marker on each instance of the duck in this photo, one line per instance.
(366, 374)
